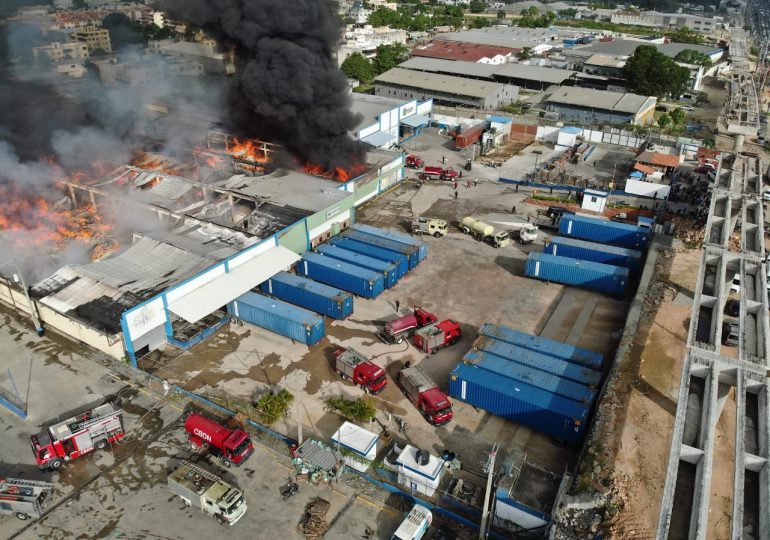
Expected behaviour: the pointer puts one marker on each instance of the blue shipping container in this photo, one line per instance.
(411, 252)
(346, 276)
(401, 261)
(388, 270)
(604, 230)
(279, 317)
(602, 277)
(557, 349)
(397, 236)
(549, 364)
(575, 248)
(309, 294)
(519, 402)
(534, 377)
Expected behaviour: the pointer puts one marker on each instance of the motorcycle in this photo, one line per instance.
(289, 490)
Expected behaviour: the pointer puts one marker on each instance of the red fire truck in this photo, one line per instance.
(230, 445)
(413, 161)
(354, 366)
(76, 436)
(433, 337)
(429, 173)
(396, 330)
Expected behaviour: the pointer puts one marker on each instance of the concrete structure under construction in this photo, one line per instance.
(713, 371)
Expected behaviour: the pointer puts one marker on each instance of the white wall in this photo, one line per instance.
(646, 189)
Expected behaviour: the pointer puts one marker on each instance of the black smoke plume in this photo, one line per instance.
(287, 88)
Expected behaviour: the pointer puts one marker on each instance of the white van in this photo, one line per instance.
(415, 525)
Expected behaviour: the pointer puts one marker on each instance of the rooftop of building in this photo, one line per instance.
(451, 67)
(600, 99)
(371, 107)
(439, 83)
(626, 47)
(459, 50)
(605, 60)
(535, 73)
(495, 38)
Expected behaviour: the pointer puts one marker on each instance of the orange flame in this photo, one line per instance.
(248, 150)
(339, 173)
(31, 221)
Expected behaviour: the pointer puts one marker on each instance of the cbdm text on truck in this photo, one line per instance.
(231, 445)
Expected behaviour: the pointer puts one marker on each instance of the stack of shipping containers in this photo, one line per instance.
(591, 252)
(387, 269)
(309, 294)
(544, 384)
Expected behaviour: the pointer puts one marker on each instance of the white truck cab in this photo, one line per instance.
(414, 525)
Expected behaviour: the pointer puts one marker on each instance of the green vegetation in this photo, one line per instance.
(270, 407)
(359, 410)
(532, 18)
(478, 22)
(689, 56)
(569, 13)
(360, 68)
(417, 17)
(477, 6)
(651, 73)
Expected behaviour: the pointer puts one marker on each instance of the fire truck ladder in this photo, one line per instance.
(6, 483)
(87, 422)
(197, 470)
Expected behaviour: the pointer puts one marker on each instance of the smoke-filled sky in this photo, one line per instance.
(288, 88)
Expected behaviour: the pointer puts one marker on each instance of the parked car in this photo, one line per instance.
(732, 307)
(557, 211)
(735, 286)
(766, 195)
(731, 332)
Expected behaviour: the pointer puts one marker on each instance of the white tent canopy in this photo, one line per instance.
(211, 296)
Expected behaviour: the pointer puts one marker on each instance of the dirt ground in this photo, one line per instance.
(637, 418)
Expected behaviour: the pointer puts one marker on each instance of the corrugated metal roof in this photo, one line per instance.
(318, 454)
(209, 297)
(599, 99)
(290, 188)
(460, 50)
(535, 73)
(451, 67)
(378, 138)
(439, 83)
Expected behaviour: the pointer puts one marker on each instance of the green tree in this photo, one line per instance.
(651, 73)
(478, 22)
(664, 121)
(525, 54)
(384, 17)
(388, 57)
(500, 15)
(357, 67)
(677, 116)
(568, 13)
(690, 56)
(477, 6)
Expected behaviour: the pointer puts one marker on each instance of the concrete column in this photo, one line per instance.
(738, 145)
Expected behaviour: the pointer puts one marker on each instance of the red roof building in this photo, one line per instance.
(467, 52)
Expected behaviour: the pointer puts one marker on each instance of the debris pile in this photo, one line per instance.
(313, 523)
(688, 231)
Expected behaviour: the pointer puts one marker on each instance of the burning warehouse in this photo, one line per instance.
(170, 218)
(201, 235)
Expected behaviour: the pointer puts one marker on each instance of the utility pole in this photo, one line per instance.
(19, 278)
(490, 467)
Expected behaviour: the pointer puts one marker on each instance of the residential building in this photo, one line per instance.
(469, 52)
(95, 38)
(154, 17)
(207, 53)
(366, 39)
(406, 85)
(62, 52)
(359, 13)
(587, 106)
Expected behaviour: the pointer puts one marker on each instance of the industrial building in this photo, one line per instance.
(588, 106)
(626, 47)
(406, 84)
(207, 230)
(469, 52)
(387, 121)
